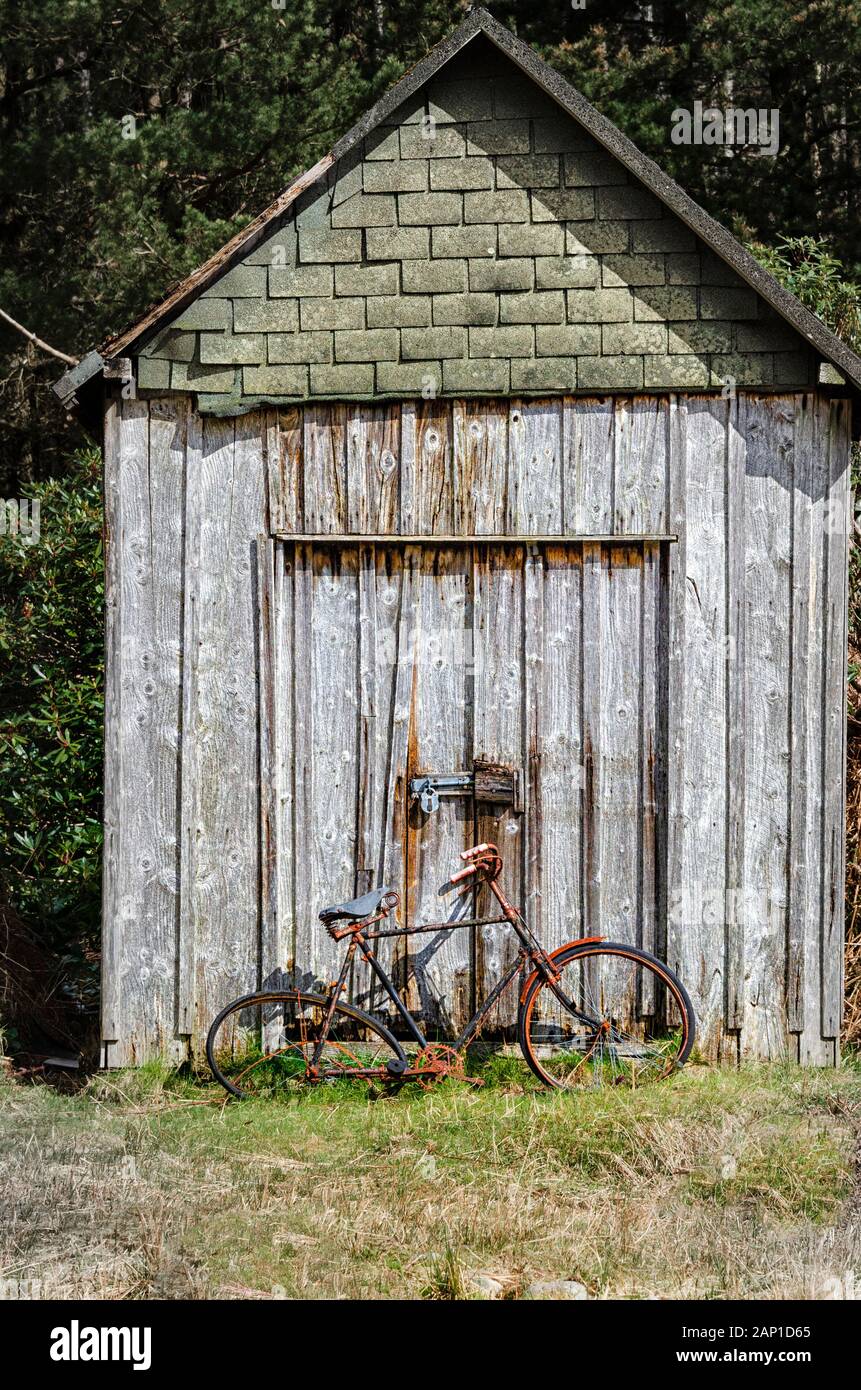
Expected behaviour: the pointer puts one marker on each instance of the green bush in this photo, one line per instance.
(807, 268)
(51, 702)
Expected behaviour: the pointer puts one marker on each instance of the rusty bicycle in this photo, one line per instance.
(592, 1012)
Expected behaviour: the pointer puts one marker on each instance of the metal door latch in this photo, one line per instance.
(489, 783)
(426, 789)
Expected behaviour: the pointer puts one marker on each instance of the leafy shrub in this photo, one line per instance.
(51, 648)
(806, 267)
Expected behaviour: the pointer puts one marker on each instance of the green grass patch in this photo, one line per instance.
(715, 1184)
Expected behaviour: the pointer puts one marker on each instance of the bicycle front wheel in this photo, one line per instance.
(275, 1043)
(617, 1016)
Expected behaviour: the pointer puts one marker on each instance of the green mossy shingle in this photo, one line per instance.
(222, 349)
(399, 311)
(465, 309)
(430, 343)
(367, 345)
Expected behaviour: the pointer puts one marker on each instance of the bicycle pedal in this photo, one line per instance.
(396, 1067)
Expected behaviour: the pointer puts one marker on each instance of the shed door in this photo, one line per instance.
(383, 662)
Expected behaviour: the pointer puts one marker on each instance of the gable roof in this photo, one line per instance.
(716, 237)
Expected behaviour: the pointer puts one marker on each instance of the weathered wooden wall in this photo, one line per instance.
(727, 645)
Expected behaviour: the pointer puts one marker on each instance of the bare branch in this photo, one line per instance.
(64, 357)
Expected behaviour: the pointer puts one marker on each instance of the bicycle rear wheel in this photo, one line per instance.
(264, 1045)
(617, 1017)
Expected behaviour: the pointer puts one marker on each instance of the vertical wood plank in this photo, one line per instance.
(269, 556)
(443, 964)
(189, 787)
(533, 729)
(834, 733)
(286, 754)
(480, 430)
(619, 741)
(498, 637)
(562, 788)
(592, 638)
(136, 850)
(370, 731)
(398, 599)
(152, 465)
(272, 465)
(227, 864)
(803, 453)
(672, 907)
(168, 437)
(768, 492)
(372, 454)
(367, 850)
(433, 498)
(303, 709)
(535, 467)
(641, 460)
(325, 473)
(808, 685)
(111, 1020)
(702, 826)
(589, 445)
(282, 435)
(650, 580)
(410, 482)
(329, 667)
(736, 725)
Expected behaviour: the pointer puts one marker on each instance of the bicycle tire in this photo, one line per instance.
(343, 1011)
(675, 1055)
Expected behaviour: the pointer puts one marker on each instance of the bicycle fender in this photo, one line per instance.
(581, 941)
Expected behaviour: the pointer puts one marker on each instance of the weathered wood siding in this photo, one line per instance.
(675, 707)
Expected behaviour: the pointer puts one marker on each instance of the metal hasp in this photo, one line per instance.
(426, 790)
(491, 782)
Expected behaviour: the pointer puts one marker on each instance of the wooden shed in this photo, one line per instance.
(484, 443)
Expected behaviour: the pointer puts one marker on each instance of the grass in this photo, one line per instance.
(719, 1184)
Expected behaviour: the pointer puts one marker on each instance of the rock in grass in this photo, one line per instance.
(556, 1288)
(484, 1284)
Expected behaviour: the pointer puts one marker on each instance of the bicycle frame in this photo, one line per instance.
(530, 950)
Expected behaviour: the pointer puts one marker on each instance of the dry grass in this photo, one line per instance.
(719, 1185)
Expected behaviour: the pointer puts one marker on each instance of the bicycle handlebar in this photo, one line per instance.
(463, 873)
(485, 857)
(478, 850)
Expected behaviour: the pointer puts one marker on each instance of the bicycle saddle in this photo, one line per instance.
(357, 908)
